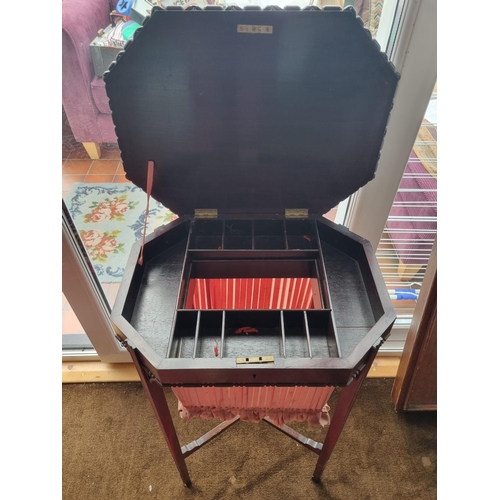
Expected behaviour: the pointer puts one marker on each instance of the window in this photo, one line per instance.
(397, 211)
(365, 214)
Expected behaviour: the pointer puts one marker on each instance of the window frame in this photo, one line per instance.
(414, 54)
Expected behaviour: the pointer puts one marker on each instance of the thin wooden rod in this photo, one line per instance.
(306, 325)
(283, 332)
(171, 337)
(223, 334)
(309, 443)
(327, 297)
(196, 333)
(195, 445)
(335, 334)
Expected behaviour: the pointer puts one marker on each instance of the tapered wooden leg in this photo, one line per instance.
(157, 399)
(342, 410)
(93, 150)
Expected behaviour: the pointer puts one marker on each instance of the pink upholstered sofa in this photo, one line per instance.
(83, 94)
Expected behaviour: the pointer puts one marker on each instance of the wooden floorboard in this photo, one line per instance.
(78, 372)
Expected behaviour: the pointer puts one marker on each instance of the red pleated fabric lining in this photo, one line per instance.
(252, 404)
(252, 293)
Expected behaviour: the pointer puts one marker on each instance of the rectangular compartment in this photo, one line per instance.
(184, 334)
(269, 227)
(295, 334)
(209, 334)
(269, 235)
(238, 243)
(238, 235)
(237, 227)
(269, 242)
(354, 313)
(251, 283)
(321, 334)
(155, 285)
(207, 234)
(267, 341)
(301, 234)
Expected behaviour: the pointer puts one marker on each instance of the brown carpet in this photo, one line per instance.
(112, 448)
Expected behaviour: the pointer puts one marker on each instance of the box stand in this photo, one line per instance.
(270, 146)
(342, 410)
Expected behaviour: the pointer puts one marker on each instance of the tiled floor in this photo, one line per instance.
(78, 167)
(91, 171)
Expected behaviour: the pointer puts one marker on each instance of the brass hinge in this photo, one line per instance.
(205, 213)
(296, 213)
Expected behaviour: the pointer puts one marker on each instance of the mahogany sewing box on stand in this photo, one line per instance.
(257, 123)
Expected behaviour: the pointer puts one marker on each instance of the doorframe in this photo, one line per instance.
(417, 371)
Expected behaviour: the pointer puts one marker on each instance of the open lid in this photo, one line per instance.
(249, 111)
